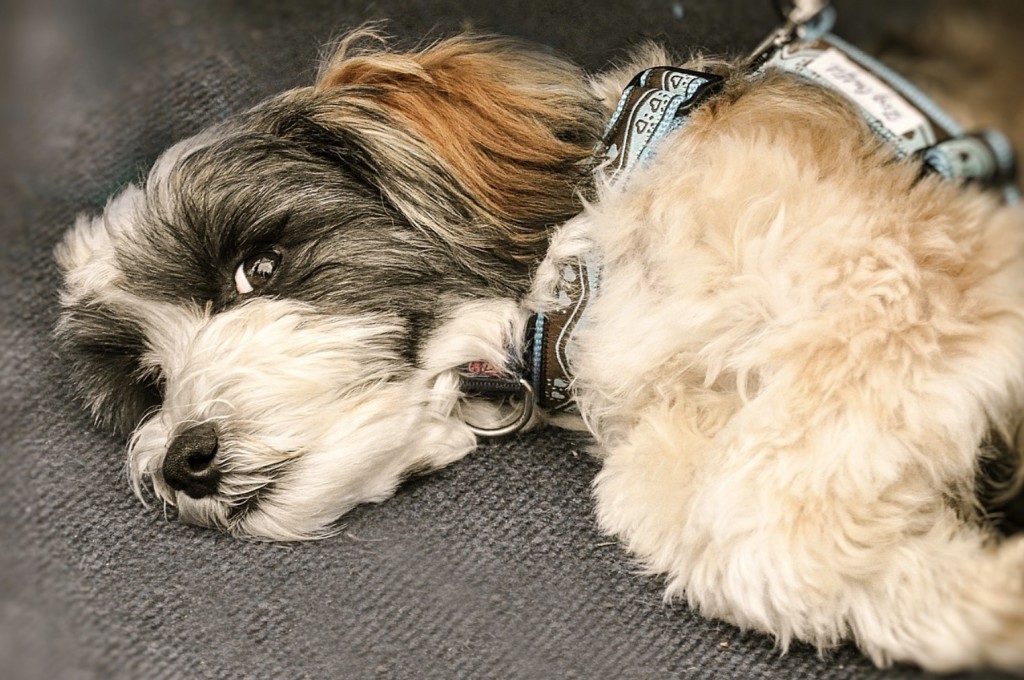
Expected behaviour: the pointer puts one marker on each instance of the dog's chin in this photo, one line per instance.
(276, 487)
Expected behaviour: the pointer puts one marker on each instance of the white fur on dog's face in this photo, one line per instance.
(300, 282)
(314, 414)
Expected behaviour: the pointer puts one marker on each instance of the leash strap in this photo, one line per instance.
(897, 111)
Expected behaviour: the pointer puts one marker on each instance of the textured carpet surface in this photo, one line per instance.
(490, 568)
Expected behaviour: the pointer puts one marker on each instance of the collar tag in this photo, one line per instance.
(867, 91)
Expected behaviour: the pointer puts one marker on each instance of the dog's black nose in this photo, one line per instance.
(190, 462)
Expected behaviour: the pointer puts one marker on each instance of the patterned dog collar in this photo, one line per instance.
(654, 104)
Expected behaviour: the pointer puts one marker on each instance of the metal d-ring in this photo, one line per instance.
(525, 414)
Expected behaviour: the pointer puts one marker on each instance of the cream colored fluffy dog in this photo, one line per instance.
(797, 352)
(795, 356)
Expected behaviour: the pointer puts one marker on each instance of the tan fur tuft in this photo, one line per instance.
(515, 128)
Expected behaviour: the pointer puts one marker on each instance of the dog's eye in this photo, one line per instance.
(256, 272)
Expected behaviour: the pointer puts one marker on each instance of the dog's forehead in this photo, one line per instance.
(214, 200)
(86, 253)
(159, 175)
(274, 178)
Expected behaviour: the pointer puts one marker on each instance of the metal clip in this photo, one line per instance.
(806, 19)
(783, 35)
(521, 420)
(802, 11)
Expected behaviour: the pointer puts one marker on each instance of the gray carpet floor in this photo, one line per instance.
(491, 568)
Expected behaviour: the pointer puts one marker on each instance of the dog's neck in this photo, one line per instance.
(654, 104)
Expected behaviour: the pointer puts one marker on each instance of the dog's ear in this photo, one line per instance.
(98, 337)
(512, 129)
